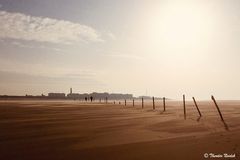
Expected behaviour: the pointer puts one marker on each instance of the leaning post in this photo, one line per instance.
(197, 107)
(217, 108)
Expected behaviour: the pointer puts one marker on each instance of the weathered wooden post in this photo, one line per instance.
(100, 100)
(133, 103)
(106, 100)
(196, 106)
(184, 106)
(153, 103)
(125, 102)
(164, 104)
(217, 108)
(142, 102)
(114, 102)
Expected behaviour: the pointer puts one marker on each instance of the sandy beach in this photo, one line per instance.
(76, 130)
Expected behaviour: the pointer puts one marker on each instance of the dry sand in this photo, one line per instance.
(76, 130)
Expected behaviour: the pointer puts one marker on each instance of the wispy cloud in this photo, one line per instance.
(111, 35)
(42, 29)
(22, 45)
(116, 54)
(127, 56)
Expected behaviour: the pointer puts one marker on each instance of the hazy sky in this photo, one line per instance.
(153, 47)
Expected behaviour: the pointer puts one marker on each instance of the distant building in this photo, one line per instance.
(149, 97)
(28, 95)
(145, 97)
(56, 95)
(73, 95)
(111, 95)
(96, 95)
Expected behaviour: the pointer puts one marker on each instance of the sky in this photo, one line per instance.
(144, 47)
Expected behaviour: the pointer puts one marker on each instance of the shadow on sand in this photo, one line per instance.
(225, 125)
(199, 118)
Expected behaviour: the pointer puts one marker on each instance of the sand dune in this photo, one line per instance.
(76, 130)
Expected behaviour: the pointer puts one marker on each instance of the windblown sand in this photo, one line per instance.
(76, 130)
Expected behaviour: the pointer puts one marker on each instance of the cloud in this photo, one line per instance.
(116, 54)
(25, 27)
(127, 56)
(111, 35)
(22, 45)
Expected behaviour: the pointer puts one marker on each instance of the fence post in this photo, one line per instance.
(184, 106)
(153, 102)
(217, 108)
(196, 106)
(142, 102)
(164, 104)
(133, 103)
(106, 100)
(125, 102)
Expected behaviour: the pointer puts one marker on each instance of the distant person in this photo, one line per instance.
(86, 99)
(91, 98)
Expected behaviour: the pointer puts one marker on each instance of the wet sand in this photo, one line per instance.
(76, 130)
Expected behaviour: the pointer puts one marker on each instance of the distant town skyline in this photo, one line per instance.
(144, 47)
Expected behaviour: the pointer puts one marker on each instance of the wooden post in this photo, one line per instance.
(100, 100)
(125, 102)
(184, 106)
(217, 108)
(114, 102)
(133, 103)
(142, 102)
(106, 100)
(153, 103)
(196, 106)
(164, 104)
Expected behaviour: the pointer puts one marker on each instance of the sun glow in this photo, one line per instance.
(180, 25)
